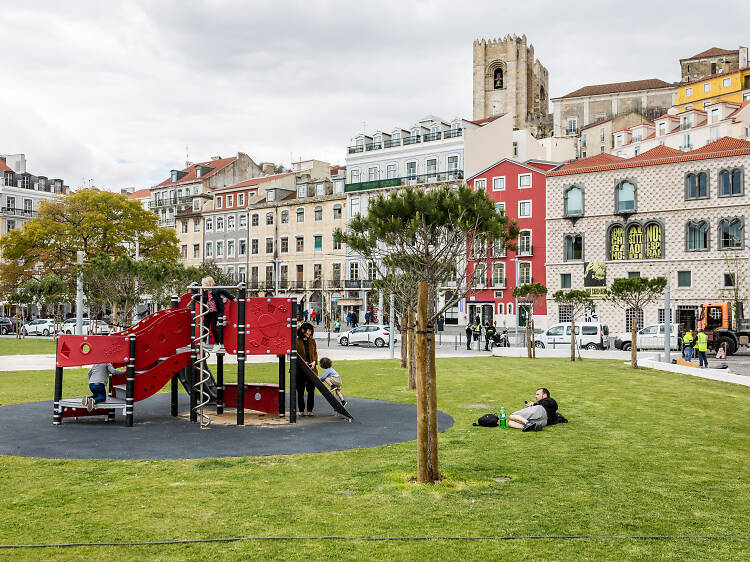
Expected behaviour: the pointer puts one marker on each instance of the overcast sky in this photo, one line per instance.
(113, 91)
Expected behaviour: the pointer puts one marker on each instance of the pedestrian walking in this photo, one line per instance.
(701, 346)
(469, 333)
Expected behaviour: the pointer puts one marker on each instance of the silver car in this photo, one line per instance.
(367, 334)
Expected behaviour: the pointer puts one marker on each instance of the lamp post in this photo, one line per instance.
(515, 310)
(79, 296)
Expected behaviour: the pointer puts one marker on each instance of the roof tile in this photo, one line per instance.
(217, 165)
(617, 87)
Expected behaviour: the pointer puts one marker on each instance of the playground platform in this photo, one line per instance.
(26, 431)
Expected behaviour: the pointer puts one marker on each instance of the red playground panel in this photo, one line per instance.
(258, 396)
(268, 323)
(74, 351)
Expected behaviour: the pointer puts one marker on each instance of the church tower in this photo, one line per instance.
(507, 79)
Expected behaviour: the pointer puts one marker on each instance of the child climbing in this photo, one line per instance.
(331, 378)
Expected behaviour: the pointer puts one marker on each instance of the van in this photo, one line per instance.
(589, 335)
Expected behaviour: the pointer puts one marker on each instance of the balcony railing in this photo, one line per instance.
(18, 212)
(374, 146)
(356, 149)
(170, 201)
(414, 139)
(685, 126)
(499, 282)
(391, 143)
(453, 133)
(526, 251)
(353, 283)
(414, 179)
(432, 136)
(686, 147)
(166, 222)
(366, 283)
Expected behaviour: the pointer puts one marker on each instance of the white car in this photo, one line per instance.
(589, 335)
(369, 333)
(650, 337)
(40, 327)
(99, 327)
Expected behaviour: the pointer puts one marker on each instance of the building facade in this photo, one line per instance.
(729, 86)
(667, 213)
(509, 79)
(518, 189)
(712, 61)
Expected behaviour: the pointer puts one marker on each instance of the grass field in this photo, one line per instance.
(645, 453)
(30, 345)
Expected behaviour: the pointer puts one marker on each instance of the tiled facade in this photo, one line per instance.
(655, 238)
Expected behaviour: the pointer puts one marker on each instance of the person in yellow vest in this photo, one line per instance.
(687, 345)
(701, 346)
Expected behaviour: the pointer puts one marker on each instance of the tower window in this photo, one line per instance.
(498, 79)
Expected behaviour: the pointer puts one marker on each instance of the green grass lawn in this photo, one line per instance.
(30, 345)
(645, 453)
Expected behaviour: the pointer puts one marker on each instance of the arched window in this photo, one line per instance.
(337, 211)
(736, 182)
(300, 214)
(542, 93)
(697, 236)
(573, 201)
(573, 247)
(318, 213)
(725, 187)
(269, 218)
(653, 240)
(497, 79)
(730, 234)
(635, 242)
(284, 216)
(625, 197)
(696, 185)
(617, 243)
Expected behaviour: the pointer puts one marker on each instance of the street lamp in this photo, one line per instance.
(516, 261)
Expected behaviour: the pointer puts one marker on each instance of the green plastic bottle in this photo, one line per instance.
(503, 423)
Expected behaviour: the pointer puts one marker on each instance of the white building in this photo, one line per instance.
(685, 131)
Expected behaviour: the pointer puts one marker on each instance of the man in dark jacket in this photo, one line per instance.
(489, 332)
(536, 414)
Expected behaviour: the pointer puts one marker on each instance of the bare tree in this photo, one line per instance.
(578, 301)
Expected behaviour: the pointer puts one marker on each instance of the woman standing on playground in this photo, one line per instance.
(213, 299)
(308, 352)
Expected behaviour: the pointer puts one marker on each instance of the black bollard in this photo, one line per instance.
(57, 411)
(130, 382)
(293, 367)
(241, 355)
(220, 383)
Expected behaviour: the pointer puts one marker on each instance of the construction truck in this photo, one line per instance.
(716, 321)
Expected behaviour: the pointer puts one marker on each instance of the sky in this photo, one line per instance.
(116, 94)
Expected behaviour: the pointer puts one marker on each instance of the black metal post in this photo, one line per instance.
(130, 383)
(241, 354)
(220, 383)
(293, 366)
(57, 411)
(282, 381)
(192, 375)
(173, 390)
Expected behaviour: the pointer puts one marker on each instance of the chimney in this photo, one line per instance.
(215, 158)
(268, 169)
(743, 57)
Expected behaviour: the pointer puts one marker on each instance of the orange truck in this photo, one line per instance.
(716, 320)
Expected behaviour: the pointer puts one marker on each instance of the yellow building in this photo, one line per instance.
(731, 86)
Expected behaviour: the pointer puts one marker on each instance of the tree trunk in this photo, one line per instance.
(533, 336)
(634, 341)
(410, 348)
(403, 341)
(572, 339)
(423, 474)
(528, 338)
(432, 411)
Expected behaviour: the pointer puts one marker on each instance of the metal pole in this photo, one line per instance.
(667, 323)
(293, 366)
(380, 308)
(392, 324)
(130, 382)
(174, 395)
(241, 355)
(515, 310)
(79, 296)
(56, 410)
(282, 381)
(134, 316)
(193, 357)
(220, 382)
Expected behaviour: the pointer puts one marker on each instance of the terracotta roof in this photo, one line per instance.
(736, 111)
(595, 123)
(635, 85)
(140, 194)
(336, 169)
(602, 159)
(725, 146)
(255, 181)
(487, 119)
(667, 115)
(712, 52)
(190, 177)
(4, 167)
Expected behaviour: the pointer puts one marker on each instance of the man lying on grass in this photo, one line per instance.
(536, 414)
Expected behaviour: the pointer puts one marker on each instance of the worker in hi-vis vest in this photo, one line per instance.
(687, 345)
(701, 346)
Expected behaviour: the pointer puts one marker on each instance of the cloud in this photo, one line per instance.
(114, 91)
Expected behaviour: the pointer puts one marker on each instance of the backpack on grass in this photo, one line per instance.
(487, 420)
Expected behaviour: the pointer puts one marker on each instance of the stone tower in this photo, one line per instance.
(507, 79)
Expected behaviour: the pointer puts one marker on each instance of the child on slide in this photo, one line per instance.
(331, 378)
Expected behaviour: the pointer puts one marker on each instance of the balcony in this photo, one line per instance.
(392, 142)
(353, 283)
(453, 133)
(525, 251)
(367, 283)
(685, 125)
(432, 136)
(18, 212)
(296, 285)
(414, 139)
(166, 222)
(686, 147)
(170, 202)
(334, 284)
(499, 282)
(415, 179)
(356, 149)
(374, 146)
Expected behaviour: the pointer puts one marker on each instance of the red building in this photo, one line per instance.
(519, 190)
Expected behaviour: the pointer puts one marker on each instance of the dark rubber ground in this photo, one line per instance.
(27, 430)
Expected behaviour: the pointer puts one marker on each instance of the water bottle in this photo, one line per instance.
(503, 423)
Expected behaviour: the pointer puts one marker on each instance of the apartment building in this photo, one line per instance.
(667, 213)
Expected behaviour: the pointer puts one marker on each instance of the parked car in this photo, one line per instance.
(590, 335)
(650, 337)
(99, 327)
(40, 327)
(7, 325)
(369, 333)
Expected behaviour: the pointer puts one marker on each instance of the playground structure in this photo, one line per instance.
(172, 345)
